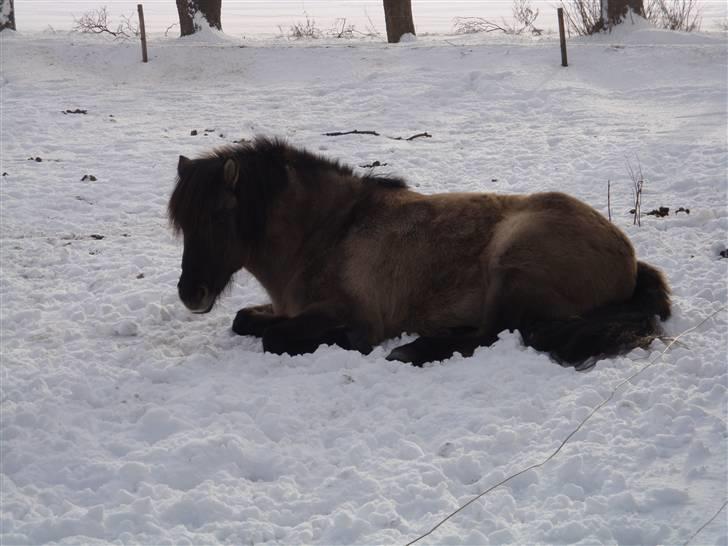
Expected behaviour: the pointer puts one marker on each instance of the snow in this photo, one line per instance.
(127, 419)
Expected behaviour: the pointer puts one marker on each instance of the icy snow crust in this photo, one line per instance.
(127, 419)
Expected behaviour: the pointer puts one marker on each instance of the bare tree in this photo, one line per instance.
(398, 18)
(7, 15)
(192, 11)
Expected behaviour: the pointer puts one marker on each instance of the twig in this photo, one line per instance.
(418, 135)
(609, 199)
(374, 133)
(638, 181)
(354, 132)
(170, 27)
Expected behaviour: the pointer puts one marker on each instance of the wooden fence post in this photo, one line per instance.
(562, 36)
(140, 9)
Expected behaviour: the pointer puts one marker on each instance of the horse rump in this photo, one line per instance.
(609, 330)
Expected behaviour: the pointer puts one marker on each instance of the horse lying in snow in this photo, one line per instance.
(353, 260)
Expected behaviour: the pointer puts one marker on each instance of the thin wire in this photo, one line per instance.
(573, 432)
(696, 533)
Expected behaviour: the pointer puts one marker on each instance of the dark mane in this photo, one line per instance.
(265, 161)
(312, 164)
(386, 181)
(196, 192)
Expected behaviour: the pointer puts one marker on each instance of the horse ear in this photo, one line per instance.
(183, 164)
(230, 173)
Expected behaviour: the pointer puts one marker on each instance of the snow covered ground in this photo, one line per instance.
(127, 419)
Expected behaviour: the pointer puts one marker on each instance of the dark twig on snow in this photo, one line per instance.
(354, 132)
(609, 199)
(418, 135)
(374, 133)
(375, 164)
(638, 181)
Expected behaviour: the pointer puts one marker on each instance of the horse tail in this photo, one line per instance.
(608, 330)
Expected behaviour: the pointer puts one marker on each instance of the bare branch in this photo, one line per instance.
(682, 15)
(524, 17)
(96, 21)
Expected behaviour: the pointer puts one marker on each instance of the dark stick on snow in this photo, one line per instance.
(562, 36)
(354, 132)
(374, 133)
(418, 135)
(609, 199)
(143, 33)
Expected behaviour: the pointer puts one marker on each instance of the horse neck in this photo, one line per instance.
(302, 226)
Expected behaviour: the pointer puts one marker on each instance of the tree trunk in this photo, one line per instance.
(190, 12)
(614, 11)
(7, 15)
(398, 17)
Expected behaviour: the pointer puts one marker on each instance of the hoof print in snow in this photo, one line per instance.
(76, 111)
(88, 177)
(446, 449)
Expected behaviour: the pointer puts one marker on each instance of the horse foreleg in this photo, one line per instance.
(255, 320)
(431, 349)
(463, 340)
(305, 332)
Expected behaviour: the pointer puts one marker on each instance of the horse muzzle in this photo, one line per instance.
(197, 299)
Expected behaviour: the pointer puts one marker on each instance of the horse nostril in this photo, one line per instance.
(202, 293)
(194, 297)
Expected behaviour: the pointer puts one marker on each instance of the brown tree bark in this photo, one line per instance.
(398, 18)
(188, 10)
(7, 15)
(616, 10)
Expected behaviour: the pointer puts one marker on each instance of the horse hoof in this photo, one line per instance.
(243, 323)
(406, 355)
(359, 341)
